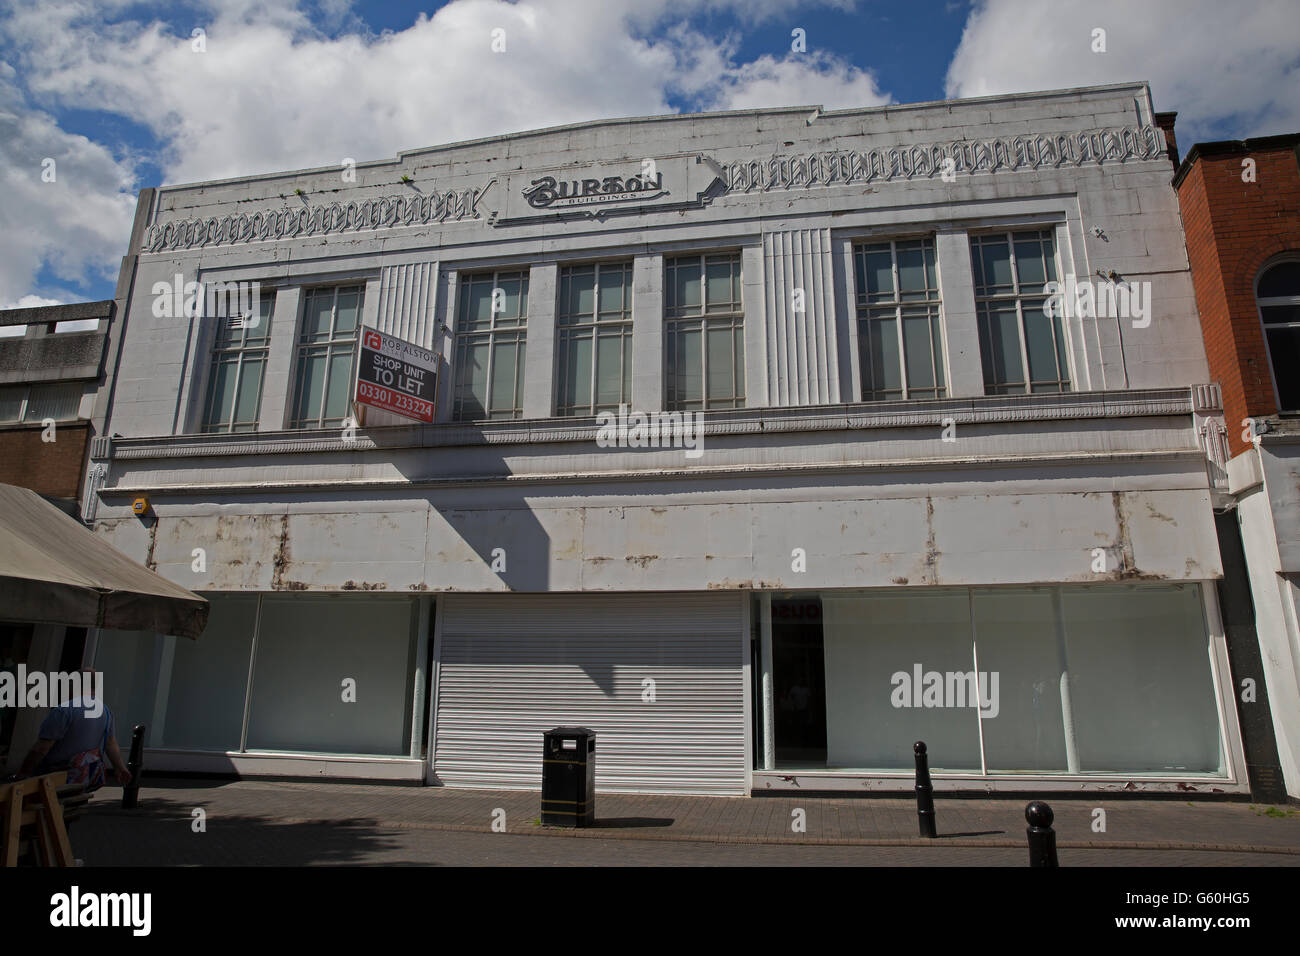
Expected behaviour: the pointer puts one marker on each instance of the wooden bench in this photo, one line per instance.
(31, 813)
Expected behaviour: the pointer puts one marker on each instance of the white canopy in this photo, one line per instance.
(53, 570)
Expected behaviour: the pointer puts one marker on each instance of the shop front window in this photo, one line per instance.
(1103, 679)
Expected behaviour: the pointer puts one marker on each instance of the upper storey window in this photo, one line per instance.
(594, 338)
(238, 368)
(704, 349)
(326, 351)
(900, 342)
(1278, 295)
(490, 337)
(1023, 349)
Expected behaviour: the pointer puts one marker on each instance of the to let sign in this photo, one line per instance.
(397, 376)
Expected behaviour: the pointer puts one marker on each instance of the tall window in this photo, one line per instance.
(594, 338)
(238, 367)
(490, 335)
(900, 344)
(326, 351)
(704, 319)
(1011, 271)
(1278, 294)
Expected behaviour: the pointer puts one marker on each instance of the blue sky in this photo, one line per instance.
(119, 97)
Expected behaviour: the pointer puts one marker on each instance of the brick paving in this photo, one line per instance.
(292, 823)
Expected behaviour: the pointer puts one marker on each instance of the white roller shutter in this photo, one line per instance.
(514, 665)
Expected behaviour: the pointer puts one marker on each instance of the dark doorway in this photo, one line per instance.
(799, 682)
(15, 646)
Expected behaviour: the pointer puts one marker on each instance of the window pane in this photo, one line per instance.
(349, 308)
(512, 300)
(738, 341)
(577, 371)
(1276, 314)
(720, 363)
(59, 402)
(223, 393)
(911, 267)
(916, 341)
(1141, 689)
(1284, 348)
(612, 279)
(259, 333)
(935, 337)
(304, 646)
(316, 315)
(886, 374)
(609, 370)
(873, 644)
(205, 702)
(310, 386)
(1063, 364)
(474, 371)
(1015, 638)
(995, 257)
(582, 293)
(719, 290)
(504, 355)
(340, 388)
(478, 303)
(627, 368)
(879, 274)
(690, 359)
(11, 402)
(686, 286)
(1038, 342)
(1029, 264)
(250, 388)
(1282, 279)
(1003, 339)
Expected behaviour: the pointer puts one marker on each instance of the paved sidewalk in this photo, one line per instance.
(1149, 825)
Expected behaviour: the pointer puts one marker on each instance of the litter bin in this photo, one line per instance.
(569, 777)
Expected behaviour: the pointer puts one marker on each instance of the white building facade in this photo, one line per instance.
(755, 451)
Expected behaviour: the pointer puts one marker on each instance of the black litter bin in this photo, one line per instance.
(569, 777)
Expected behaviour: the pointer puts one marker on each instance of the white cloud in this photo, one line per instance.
(78, 224)
(271, 92)
(275, 91)
(1229, 69)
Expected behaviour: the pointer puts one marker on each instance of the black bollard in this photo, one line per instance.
(1042, 838)
(924, 792)
(135, 764)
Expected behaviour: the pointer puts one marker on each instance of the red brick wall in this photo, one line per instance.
(1233, 228)
(49, 468)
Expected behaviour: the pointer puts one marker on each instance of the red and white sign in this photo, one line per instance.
(396, 376)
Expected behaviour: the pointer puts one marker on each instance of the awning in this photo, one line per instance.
(54, 571)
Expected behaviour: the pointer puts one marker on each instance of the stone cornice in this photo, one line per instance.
(750, 421)
(787, 470)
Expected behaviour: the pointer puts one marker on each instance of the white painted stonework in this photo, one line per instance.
(1024, 490)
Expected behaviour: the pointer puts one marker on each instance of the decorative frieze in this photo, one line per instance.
(847, 167)
(382, 212)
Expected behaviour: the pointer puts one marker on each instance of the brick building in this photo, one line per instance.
(52, 363)
(1240, 204)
